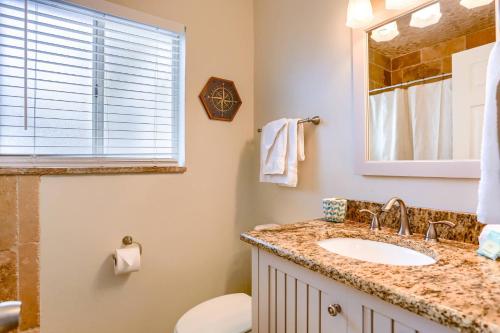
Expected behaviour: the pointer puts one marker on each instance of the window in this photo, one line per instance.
(79, 86)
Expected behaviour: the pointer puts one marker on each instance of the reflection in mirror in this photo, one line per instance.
(427, 74)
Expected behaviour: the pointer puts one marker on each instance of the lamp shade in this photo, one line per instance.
(385, 33)
(427, 16)
(359, 13)
(475, 3)
(399, 4)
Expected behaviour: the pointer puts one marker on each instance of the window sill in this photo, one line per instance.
(91, 170)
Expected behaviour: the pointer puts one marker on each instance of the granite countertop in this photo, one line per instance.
(461, 291)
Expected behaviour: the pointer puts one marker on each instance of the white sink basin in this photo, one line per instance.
(376, 252)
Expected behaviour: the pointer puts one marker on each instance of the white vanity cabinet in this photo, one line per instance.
(292, 299)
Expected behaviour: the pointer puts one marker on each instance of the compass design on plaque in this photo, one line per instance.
(220, 99)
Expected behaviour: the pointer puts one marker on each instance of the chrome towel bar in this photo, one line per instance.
(314, 120)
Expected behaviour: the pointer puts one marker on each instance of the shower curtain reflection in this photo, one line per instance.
(390, 130)
(413, 123)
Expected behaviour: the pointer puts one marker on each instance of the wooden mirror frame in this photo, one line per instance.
(363, 166)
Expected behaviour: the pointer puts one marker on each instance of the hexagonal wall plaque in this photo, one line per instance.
(220, 99)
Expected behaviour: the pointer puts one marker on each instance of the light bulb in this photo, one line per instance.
(385, 33)
(475, 3)
(399, 4)
(359, 13)
(426, 16)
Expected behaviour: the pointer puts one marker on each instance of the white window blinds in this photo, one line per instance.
(76, 84)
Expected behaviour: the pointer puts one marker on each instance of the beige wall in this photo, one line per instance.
(188, 224)
(303, 68)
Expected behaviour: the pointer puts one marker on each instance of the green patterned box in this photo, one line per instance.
(334, 209)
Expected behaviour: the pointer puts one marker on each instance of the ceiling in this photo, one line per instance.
(456, 21)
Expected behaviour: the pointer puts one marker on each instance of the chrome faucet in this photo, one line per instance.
(431, 235)
(404, 223)
(375, 224)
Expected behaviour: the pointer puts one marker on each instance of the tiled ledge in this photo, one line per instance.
(92, 170)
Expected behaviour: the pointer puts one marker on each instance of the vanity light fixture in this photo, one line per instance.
(427, 16)
(470, 4)
(385, 33)
(359, 13)
(399, 4)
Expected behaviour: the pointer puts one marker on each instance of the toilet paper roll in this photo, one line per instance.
(128, 260)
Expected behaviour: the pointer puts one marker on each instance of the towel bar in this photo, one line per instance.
(314, 120)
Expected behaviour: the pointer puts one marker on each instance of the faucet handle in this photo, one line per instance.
(375, 225)
(431, 235)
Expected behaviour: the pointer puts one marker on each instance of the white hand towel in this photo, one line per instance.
(273, 147)
(301, 154)
(295, 153)
(488, 210)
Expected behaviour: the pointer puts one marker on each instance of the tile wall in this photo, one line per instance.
(426, 62)
(19, 246)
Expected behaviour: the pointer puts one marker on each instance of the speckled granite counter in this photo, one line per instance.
(462, 290)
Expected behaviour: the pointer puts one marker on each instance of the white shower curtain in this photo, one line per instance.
(413, 123)
(430, 107)
(390, 135)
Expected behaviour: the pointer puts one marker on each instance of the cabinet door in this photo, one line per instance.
(286, 303)
(368, 314)
(333, 323)
(376, 322)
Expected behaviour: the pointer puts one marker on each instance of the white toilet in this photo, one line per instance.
(225, 314)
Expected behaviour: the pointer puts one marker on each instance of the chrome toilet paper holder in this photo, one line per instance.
(127, 241)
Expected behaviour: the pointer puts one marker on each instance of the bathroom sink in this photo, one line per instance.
(376, 252)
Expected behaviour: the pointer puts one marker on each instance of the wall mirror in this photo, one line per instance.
(420, 88)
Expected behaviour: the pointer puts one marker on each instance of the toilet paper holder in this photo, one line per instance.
(127, 241)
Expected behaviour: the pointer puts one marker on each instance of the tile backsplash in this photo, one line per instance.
(467, 227)
(19, 246)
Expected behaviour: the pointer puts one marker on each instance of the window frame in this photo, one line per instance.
(61, 164)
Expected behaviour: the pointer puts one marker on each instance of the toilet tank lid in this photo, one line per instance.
(225, 314)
